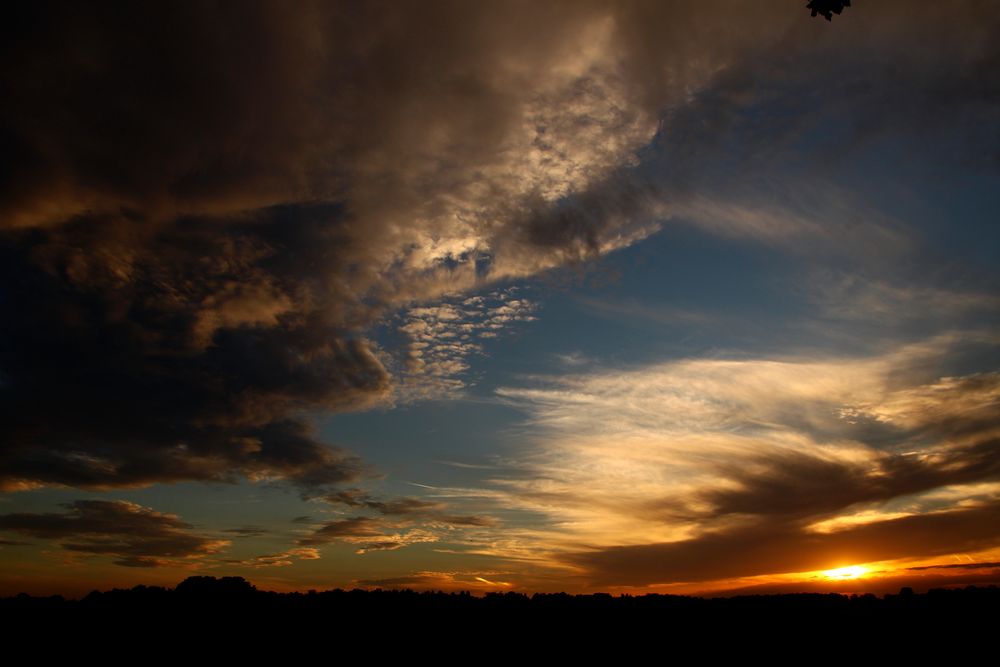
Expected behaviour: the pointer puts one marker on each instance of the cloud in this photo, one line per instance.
(133, 535)
(396, 506)
(442, 337)
(763, 151)
(787, 458)
(762, 550)
(957, 566)
(368, 534)
(795, 485)
(193, 262)
(465, 521)
(859, 298)
(283, 559)
(407, 507)
(351, 528)
(247, 531)
(441, 581)
(199, 235)
(401, 521)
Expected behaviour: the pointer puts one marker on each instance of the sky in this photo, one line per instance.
(691, 297)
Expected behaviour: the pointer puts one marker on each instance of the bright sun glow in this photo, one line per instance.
(850, 572)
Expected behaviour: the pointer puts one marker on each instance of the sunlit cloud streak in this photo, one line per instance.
(805, 457)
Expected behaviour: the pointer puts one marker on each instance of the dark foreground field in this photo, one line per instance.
(204, 606)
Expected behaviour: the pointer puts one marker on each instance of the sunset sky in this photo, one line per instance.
(631, 296)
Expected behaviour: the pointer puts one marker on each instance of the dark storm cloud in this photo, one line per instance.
(195, 361)
(135, 536)
(201, 203)
(775, 547)
(206, 206)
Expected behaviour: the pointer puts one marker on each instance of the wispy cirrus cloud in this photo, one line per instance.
(639, 475)
(429, 580)
(281, 559)
(368, 534)
(898, 301)
(399, 522)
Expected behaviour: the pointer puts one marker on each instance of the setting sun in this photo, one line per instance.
(850, 572)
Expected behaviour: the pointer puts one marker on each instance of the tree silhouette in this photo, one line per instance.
(827, 8)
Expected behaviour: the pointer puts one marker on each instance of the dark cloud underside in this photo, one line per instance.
(773, 547)
(133, 535)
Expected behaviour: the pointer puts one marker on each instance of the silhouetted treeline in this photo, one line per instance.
(207, 604)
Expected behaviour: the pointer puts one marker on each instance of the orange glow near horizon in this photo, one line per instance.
(849, 572)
